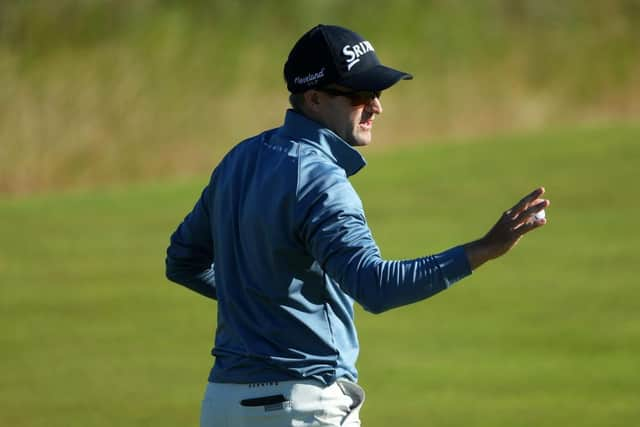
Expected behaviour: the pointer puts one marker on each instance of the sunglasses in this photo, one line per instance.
(359, 97)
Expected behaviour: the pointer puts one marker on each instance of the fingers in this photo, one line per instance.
(529, 226)
(515, 225)
(516, 222)
(525, 202)
(537, 206)
(528, 216)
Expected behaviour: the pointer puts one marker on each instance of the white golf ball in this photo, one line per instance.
(539, 215)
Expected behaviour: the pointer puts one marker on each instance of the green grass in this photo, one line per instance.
(88, 86)
(93, 335)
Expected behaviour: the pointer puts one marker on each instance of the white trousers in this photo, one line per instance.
(281, 404)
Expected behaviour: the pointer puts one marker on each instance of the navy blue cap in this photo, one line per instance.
(329, 54)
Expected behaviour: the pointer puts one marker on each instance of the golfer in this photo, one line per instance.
(280, 239)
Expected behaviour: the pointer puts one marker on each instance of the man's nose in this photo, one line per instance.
(375, 106)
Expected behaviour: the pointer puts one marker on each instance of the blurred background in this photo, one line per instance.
(103, 91)
(113, 113)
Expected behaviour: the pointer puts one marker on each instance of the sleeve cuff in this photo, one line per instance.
(453, 264)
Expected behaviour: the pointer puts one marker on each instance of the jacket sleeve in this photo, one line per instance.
(190, 255)
(336, 234)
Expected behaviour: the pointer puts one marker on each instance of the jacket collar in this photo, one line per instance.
(297, 126)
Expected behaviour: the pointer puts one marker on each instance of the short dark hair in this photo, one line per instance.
(297, 101)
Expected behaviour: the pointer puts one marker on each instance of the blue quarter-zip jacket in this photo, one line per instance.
(287, 236)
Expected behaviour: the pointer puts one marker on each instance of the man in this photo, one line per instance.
(279, 238)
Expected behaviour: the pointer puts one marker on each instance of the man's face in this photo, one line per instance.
(349, 114)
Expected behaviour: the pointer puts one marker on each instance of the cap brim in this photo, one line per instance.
(376, 78)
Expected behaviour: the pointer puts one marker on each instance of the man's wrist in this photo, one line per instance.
(477, 253)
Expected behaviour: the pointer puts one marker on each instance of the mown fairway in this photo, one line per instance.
(93, 335)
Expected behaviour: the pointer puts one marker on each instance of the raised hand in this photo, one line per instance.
(507, 232)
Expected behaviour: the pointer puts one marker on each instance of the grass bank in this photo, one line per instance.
(97, 92)
(93, 335)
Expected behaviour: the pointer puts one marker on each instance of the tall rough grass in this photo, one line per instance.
(97, 92)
